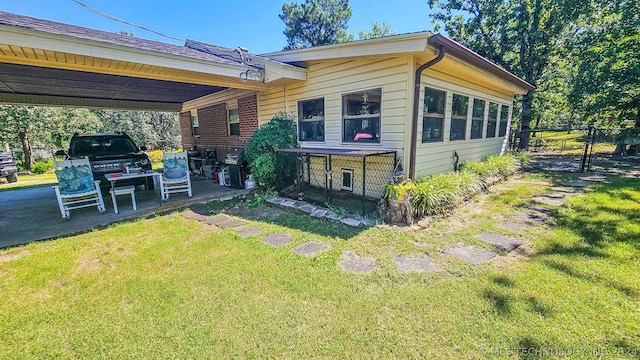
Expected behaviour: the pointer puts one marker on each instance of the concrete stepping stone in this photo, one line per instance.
(351, 222)
(190, 214)
(319, 213)
(275, 200)
(513, 226)
(333, 216)
(312, 248)
(350, 261)
(577, 183)
(415, 262)
(470, 254)
(232, 224)
(248, 231)
(218, 219)
(595, 178)
(504, 242)
(307, 208)
(540, 219)
(276, 239)
(288, 203)
(552, 200)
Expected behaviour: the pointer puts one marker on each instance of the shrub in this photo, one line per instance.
(155, 156)
(268, 168)
(41, 167)
(493, 166)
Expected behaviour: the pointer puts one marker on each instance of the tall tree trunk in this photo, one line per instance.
(26, 148)
(525, 128)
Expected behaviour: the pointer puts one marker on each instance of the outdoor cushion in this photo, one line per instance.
(75, 180)
(174, 169)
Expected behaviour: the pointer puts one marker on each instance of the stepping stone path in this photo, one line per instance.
(504, 242)
(552, 200)
(248, 231)
(415, 262)
(540, 219)
(351, 222)
(219, 219)
(513, 226)
(319, 213)
(190, 214)
(312, 248)
(232, 224)
(307, 208)
(276, 239)
(470, 254)
(350, 261)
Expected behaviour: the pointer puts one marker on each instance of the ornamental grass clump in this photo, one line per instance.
(439, 193)
(500, 166)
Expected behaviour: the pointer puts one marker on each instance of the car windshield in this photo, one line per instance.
(102, 145)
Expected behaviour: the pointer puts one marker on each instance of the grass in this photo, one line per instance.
(569, 144)
(169, 287)
(29, 180)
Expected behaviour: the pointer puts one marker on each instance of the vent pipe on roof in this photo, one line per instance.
(416, 107)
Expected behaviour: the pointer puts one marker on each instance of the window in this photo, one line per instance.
(234, 122)
(195, 125)
(504, 120)
(477, 118)
(459, 111)
(433, 116)
(347, 180)
(311, 120)
(493, 119)
(361, 116)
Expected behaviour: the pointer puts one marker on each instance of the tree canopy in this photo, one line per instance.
(519, 35)
(378, 29)
(316, 22)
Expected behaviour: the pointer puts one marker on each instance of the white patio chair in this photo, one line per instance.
(76, 187)
(175, 174)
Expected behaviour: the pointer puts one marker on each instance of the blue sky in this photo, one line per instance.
(252, 24)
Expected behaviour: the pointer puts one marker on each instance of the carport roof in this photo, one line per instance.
(49, 63)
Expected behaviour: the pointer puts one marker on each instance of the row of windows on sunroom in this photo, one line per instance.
(433, 120)
(360, 117)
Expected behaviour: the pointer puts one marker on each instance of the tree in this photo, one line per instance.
(608, 67)
(377, 30)
(22, 124)
(158, 129)
(316, 22)
(519, 35)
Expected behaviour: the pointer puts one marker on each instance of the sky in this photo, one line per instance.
(253, 24)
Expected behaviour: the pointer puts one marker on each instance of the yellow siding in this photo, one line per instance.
(332, 79)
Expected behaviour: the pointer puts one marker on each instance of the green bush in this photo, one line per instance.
(493, 166)
(269, 168)
(41, 167)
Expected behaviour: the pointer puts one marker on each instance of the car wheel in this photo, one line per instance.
(12, 178)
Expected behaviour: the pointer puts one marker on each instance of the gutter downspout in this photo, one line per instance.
(416, 106)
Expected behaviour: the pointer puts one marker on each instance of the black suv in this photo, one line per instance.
(8, 168)
(110, 153)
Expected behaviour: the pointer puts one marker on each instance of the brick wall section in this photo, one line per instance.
(185, 130)
(214, 127)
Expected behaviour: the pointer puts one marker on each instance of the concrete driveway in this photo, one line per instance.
(32, 214)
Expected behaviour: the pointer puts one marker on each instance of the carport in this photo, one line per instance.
(47, 63)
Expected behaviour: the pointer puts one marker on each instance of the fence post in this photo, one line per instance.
(586, 148)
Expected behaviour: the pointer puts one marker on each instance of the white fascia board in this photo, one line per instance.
(408, 43)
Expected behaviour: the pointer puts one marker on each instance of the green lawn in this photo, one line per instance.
(169, 287)
(31, 180)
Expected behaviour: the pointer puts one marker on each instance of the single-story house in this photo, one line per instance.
(422, 97)
(364, 108)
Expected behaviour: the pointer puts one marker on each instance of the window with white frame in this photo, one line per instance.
(504, 120)
(433, 115)
(234, 119)
(477, 118)
(361, 116)
(492, 122)
(311, 120)
(459, 112)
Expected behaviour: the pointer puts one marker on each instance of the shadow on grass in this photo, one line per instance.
(281, 217)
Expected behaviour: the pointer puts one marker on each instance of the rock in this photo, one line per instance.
(351, 222)
(470, 254)
(312, 248)
(350, 261)
(504, 242)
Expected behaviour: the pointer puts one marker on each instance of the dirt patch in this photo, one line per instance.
(14, 255)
